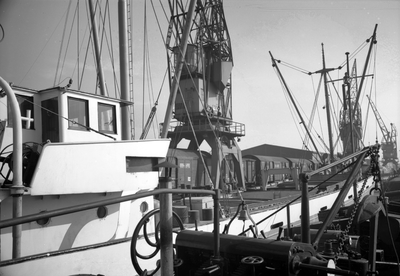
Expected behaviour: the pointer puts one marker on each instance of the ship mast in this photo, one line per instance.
(372, 42)
(324, 71)
(124, 68)
(275, 65)
(97, 50)
(123, 63)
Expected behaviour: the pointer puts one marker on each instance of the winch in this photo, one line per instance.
(241, 255)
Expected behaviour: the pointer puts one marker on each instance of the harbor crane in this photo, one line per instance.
(389, 139)
(200, 100)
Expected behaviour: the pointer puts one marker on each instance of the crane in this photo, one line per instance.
(200, 100)
(389, 139)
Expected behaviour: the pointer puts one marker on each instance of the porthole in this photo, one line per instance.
(43, 221)
(144, 207)
(102, 212)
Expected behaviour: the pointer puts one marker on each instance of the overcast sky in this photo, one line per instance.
(292, 30)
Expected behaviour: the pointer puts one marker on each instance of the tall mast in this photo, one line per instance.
(324, 73)
(372, 42)
(347, 83)
(123, 65)
(97, 50)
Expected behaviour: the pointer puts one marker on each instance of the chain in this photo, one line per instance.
(373, 168)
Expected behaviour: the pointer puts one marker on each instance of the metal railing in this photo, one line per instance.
(96, 204)
(82, 207)
(203, 124)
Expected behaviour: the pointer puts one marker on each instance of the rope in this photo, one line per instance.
(69, 39)
(30, 68)
(146, 60)
(2, 32)
(311, 129)
(296, 68)
(62, 43)
(111, 52)
(356, 51)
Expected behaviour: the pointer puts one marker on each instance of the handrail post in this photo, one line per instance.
(340, 198)
(166, 243)
(17, 189)
(216, 224)
(305, 209)
(289, 228)
(373, 232)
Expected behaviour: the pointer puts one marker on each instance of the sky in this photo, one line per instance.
(291, 30)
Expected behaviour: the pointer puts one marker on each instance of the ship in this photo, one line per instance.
(79, 197)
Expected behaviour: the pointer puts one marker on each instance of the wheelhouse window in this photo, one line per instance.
(107, 122)
(78, 114)
(27, 113)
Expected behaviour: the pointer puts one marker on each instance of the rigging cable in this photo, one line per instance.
(89, 18)
(69, 39)
(333, 110)
(151, 89)
(156, 17)
(368, 106)
(291, 109)
(87, 47)
(48, 40)
(319, 116)
(110, 47)
(300, 132)
(314, 108)
(195, 138)
(62, 43)
(146, 127)
(296, 68)
(147, 68)
(80, 76)
(356, 51)
(311, 129)
(103, 35)
(117, 93)
(2, 32)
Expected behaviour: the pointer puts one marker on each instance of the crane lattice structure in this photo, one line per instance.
(389, 139)
(203, 104)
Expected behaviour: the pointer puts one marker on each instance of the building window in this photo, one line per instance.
(107, 122)
(78, 114)
(27, 115)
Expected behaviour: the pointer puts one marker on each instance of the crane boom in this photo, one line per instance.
(382, 126)
(389, 140)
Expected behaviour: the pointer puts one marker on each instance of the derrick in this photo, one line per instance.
(202, 106)
(389, 138)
